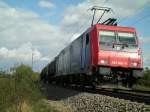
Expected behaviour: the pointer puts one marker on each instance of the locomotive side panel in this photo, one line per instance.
(94, 47)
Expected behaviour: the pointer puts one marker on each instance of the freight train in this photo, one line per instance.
(104, 53)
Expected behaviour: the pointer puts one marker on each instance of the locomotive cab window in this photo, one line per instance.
(107, 36)
(114, 40)
(127, 38)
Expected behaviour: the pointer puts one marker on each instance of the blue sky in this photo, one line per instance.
(47, 26)
(56, 11)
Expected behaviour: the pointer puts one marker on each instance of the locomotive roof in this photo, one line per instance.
(124, 28)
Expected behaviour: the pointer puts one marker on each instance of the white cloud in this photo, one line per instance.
(23, 53)
(46, 4)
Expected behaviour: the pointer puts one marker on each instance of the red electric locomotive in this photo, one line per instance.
(104, 53)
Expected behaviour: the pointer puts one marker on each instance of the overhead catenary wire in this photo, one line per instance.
(138, 10)
(141, 19)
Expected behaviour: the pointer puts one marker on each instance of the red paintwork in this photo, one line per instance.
(115, 58)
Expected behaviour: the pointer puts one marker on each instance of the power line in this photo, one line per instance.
(141, 19)
(138, 10)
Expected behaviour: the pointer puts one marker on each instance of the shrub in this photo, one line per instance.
(19, 87)
(144, 82)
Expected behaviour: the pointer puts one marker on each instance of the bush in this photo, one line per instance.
(144, 82)
(20, 89)
(146, 74)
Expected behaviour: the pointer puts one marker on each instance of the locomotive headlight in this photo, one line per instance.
(104, 61)
(134, 64)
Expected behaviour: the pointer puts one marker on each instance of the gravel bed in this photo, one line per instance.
(87, 102)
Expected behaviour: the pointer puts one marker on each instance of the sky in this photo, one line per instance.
(45, 27)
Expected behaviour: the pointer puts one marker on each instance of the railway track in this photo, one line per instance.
(125, 94)
(132, 95)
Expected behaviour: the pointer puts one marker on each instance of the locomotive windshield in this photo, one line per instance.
(107, 37)
(127, 38)
(115, 40)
